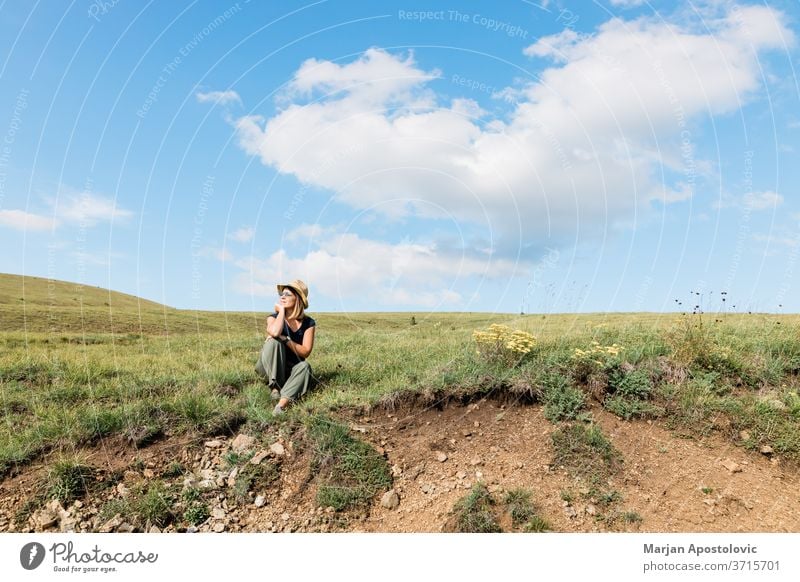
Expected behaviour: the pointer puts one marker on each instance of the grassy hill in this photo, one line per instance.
(79, 365)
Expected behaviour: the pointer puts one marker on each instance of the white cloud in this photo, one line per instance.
(85, 209)
(354, 269)
(762, 200)
(26, 221)
(243, 235)
(627, 3)
(218, 97)
(219, 254)
(583, 149)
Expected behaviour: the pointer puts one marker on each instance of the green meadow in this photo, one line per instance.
(78, 364)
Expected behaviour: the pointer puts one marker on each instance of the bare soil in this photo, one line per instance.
(670, 483)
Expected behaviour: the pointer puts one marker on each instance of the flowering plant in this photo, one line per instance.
(501, 343)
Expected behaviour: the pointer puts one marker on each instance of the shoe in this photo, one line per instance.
(275, 395)
(278, 410)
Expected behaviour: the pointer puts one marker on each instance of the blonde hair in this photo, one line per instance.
(298, 311)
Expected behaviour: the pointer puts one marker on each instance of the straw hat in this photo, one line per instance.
(299, 288)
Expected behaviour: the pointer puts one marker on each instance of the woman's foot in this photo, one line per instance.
(275, 394)
(277, 410)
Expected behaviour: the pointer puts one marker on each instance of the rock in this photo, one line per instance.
(285, 516)
(396, 471)
(478, 475)
(570, 512)
(476, 461)
(476, 424)
(218, 513)
(591, 509)
(744, 435)
(466, 433)
(427, 488)
(461, 475)
(390, 499)
(260, 501)
(441, 456)
(111, 524)
(122, 490)
(154, 529)
(45, 519)
(243, 443)
(215, 444)
(277, 449)
(260, 456)
(766, 450)
(125, 527)
(148, 474)
(494, 450)
(219, 527)
(192, 529)
(731, 466)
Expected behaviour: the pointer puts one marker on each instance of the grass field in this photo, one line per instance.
(78, 364)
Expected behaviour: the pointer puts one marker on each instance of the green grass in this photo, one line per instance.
(474, 513)
(585, 453)
(349, 471)
(79, 364)
(69, 479)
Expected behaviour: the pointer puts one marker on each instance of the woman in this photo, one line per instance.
(290, 339)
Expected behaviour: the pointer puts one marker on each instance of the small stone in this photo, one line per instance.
(192, 529)
(494, 450)
(111, 524)
(218, 513)
(476, 461)
(154, 529)
(258, 457)
(441, 456)
(214, 444)
(285, 516)
(591, 509)
(478, 475)
(243, 443)
(426, 488)
(219, 527)
(390, 499)
(148, 474)
(277, 449)
(466, 433)
(122, 490)
(731, 466)
(744, 435)
(766, 450)
(476, 424)
(260, 501)
(78, 504)
(570, 512)
(396, 471)
(461, 475)
(126, 528)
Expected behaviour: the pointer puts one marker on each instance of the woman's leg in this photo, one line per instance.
(271, 364)
(298, 383)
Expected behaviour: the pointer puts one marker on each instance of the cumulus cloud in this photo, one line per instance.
(243, 235)
(351, 268)
(86, 209)
(218, 97)
(25, 221)
(603, 133)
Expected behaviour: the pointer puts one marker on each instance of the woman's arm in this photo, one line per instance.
(275, 324)
(303, 350)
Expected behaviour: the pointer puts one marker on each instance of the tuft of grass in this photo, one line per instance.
(155, 505)
(520, 506)
(562, 400)
(69, 479)
(473, 513)
(536, 524)
(261, 475)
(349, 471)
(585, 452)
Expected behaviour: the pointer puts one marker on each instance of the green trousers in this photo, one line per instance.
(272, 365)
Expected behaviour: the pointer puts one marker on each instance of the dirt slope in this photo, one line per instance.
(673, 484)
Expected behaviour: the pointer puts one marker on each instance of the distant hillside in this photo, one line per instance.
(35, 304)
(36, 291)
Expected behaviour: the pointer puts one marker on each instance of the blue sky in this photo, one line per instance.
(405, 156)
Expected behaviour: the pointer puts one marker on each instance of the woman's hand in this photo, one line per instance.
(279, 307)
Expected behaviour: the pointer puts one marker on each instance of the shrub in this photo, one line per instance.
(473, 512)
(501, 344)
